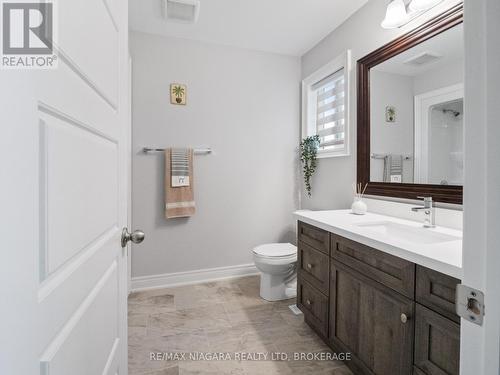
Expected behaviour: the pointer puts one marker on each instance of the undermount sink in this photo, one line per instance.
(408, 233)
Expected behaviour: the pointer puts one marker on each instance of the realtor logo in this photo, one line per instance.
(28, 35)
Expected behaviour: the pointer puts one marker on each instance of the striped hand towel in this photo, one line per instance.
(393, 168)
(179, 160)
(179, 193)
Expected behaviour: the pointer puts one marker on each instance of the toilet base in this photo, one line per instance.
(276, 288)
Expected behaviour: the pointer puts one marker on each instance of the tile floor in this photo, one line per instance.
(219, 317)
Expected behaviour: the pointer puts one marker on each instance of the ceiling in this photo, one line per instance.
(289, 27)
(449, 45)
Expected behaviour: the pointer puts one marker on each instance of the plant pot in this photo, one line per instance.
(178, 100)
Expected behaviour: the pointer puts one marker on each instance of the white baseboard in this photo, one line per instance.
(192, 277)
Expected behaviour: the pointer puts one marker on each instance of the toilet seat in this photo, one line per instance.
(275, 251)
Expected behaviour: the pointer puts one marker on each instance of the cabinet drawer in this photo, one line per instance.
(314, 267)
(314, 305)
(314, 237)
(437, 292)
(437, 343)
(393, 272)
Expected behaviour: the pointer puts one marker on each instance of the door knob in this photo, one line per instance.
(136, 236)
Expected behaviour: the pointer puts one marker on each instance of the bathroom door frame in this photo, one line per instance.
(422, 104)
(129, 177)
(480, 345)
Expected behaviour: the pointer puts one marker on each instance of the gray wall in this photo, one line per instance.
(362, 34)
(245, 105)
(391, 137)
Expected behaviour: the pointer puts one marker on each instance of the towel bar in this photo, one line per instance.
(196, 150)
(382, 156)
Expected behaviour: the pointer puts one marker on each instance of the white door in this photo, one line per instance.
(64, 200)
(480, 345)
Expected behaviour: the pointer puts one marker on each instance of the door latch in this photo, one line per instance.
(470, 304)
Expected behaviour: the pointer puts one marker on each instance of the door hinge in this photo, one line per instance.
(470, 304)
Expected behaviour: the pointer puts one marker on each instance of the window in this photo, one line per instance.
(325, 109)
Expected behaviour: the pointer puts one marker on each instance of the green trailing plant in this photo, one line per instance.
(308, 152)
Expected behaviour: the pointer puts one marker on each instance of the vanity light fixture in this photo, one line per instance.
(396, 15)
(400, 12)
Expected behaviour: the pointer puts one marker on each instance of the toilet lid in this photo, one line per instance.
(274, 250)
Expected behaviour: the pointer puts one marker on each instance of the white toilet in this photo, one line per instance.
(277, 264)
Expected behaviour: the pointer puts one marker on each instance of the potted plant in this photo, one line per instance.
(308, 152)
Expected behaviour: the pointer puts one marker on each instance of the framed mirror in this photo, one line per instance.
(410, 113)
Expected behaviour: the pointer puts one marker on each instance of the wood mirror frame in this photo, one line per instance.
(440, 193)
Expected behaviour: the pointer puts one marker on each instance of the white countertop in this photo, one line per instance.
(444, 256)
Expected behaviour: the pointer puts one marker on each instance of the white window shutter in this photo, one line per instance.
(330, 111)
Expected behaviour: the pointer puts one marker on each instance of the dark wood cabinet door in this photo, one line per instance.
(437, 343)
(314, 267)
(314, 305)
(318, 239)
(366, 320)
(437, 292)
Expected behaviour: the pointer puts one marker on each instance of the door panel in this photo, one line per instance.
(70, 156)
(365, 319)
(52, 91)
(92, 332)
(89, 23)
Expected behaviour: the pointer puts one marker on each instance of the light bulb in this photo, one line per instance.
(422, 5)
(395, 15)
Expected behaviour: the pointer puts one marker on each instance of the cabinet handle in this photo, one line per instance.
(308, 303)
(404, 318)
(309, 266)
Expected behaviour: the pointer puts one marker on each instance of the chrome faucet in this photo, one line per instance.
(429, 212)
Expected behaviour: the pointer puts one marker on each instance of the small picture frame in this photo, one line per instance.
(178, 94)
(390, 113)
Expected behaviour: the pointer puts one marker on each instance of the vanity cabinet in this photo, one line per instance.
(395, 317)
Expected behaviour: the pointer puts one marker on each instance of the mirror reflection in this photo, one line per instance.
(416, 113)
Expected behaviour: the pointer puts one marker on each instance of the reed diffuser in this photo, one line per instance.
(359, 207)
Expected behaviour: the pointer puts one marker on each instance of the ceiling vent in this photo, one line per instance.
(423, 58)
(185, 11)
